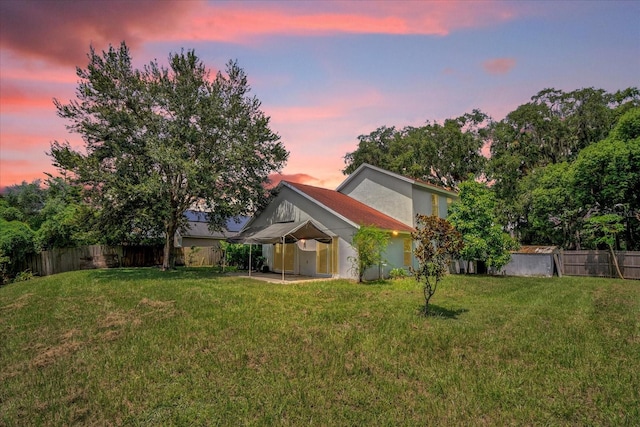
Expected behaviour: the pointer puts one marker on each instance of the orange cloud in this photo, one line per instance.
(61, 31)
(15, 171)
(499, 65)
(14, 98)
(236, 22)
(301, 178)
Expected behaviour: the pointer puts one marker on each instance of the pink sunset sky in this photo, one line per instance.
(325, 71)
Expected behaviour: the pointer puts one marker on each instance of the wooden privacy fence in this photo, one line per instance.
(100, 256)
(598, 264)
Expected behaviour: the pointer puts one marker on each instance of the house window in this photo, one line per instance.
(435, 205)
(289, 255)
(327, 257)
(407, 252)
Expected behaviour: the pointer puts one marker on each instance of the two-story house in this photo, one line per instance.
(308, 230)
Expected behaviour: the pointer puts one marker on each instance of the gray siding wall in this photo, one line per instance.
(291, 206)
(384, 193)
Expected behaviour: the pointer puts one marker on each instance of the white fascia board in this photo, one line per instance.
(375, 168)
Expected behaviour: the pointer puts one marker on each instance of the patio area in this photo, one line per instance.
(277, 277)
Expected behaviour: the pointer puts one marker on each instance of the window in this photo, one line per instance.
(407, 252)
(435, 205)
(449, 203)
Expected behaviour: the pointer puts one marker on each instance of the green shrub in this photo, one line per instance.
(16, 243)
(398, 273)
(23, 276)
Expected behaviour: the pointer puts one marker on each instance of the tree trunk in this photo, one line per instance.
(614, 260)
(168, 260)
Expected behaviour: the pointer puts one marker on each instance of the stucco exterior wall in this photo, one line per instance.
(382, 192)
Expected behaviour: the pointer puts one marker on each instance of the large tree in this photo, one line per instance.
(160, 140)
(552, 128)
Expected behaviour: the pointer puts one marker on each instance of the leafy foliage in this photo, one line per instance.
(27, 199)
(442, 154)
(16, 243)
(161, 139)
(437, 242)
(551, 129)
(237, 255)
(398, 273)
(473, 215)
(370, 243)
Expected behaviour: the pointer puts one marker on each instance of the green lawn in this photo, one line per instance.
(142, 347)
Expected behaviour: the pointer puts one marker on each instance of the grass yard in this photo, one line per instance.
(142, 347)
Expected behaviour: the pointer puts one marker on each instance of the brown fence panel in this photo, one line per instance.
(201, 256)
(100, 256)
(598, 264)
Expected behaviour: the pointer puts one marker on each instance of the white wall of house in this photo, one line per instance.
(397, 196)
(383, 192)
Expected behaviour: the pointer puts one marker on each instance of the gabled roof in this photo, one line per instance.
(350, 209)
(396, 176)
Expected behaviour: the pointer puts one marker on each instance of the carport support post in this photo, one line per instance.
(250, 259)
(283, 249)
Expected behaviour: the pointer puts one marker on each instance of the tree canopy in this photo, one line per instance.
(441, 154)
(160, 140)
(554, 162)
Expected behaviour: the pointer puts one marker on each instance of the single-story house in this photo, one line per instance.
(198, 234)
(308, 230)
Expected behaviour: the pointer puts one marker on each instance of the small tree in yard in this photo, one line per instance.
(437, 242)
(369, 242)
(603, 229)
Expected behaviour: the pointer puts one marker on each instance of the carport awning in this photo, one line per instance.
(288, 231)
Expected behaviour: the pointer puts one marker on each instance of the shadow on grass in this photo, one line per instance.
(441, 312)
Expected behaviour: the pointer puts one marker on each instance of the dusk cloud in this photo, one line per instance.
(61, 31)
(499, 65)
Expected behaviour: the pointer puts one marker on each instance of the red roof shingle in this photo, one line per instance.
(350, 208)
